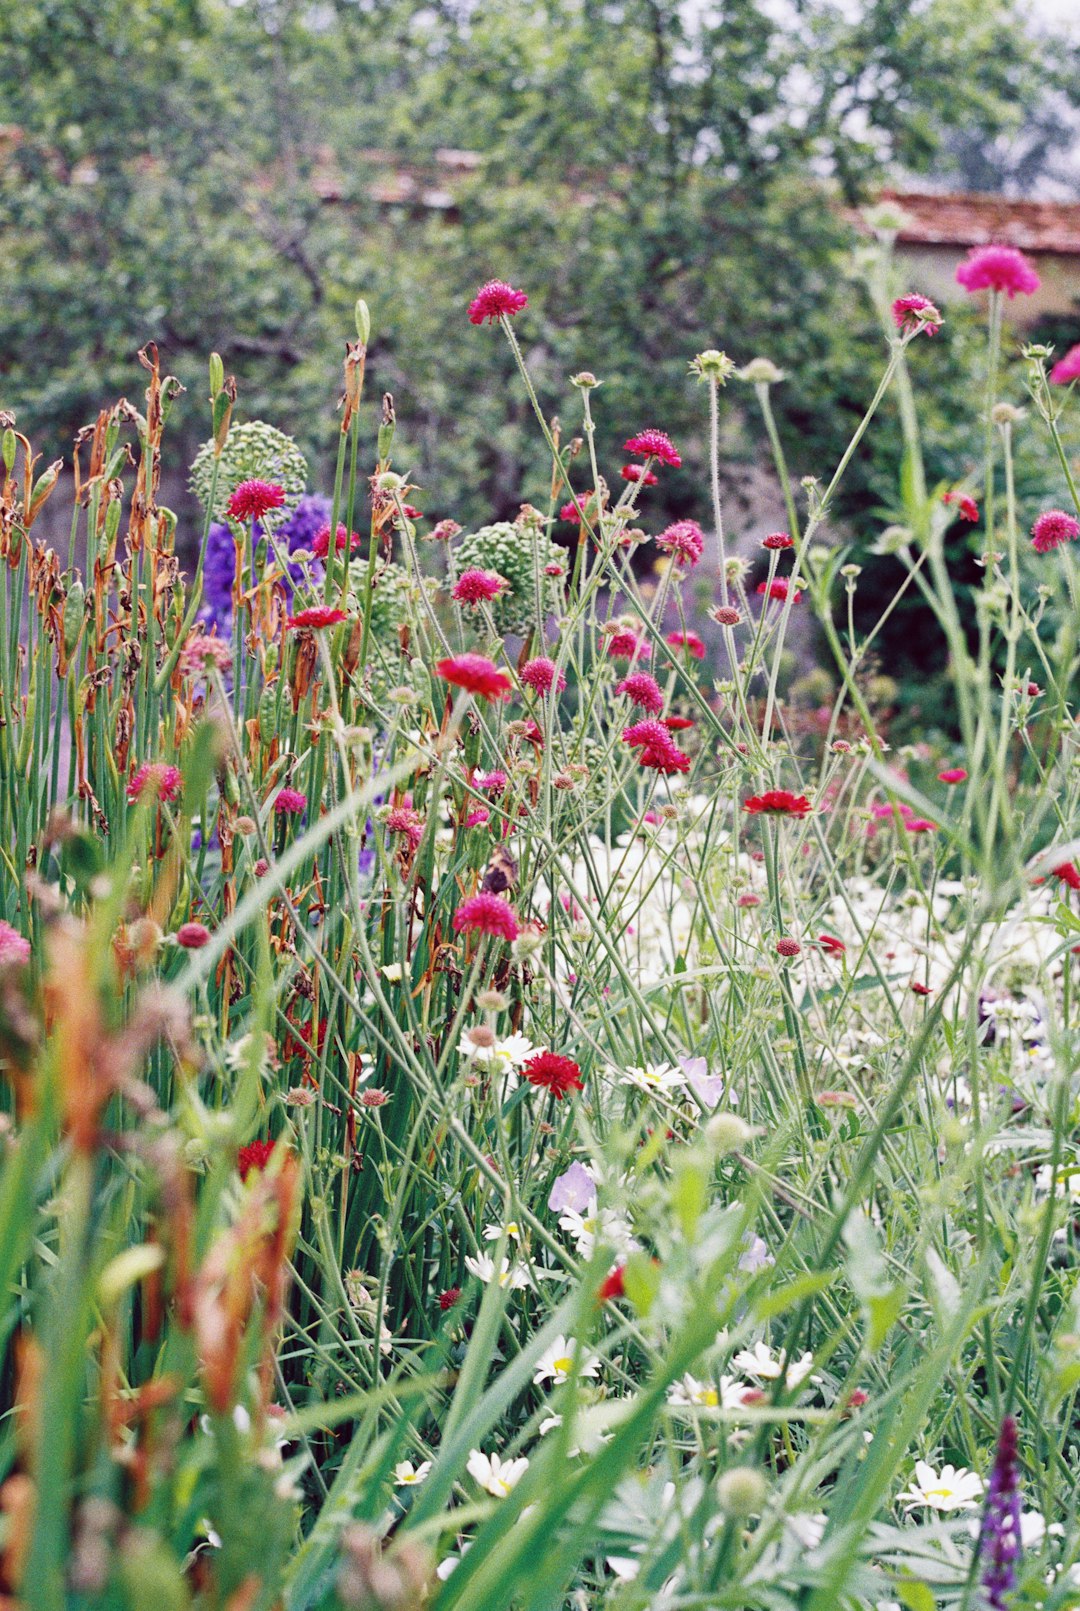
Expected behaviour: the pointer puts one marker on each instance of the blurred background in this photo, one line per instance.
(659, 177)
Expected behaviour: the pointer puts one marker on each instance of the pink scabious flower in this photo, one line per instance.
(14, 949)
(251, 500)
(1068, 368)
(479, 817)
(914, 313)
(627, 645)
(652, 444)
(787, 947)
(487, 914)
(777, 540)
(966, 507)
(496, 300)
(778, 589)
(554, 1073)
(642, 690)
(952, 774)
(684, 541)
(553, 568)
(647, 732)
(689, 642)
(666, 758)
(478, 587)
(490, 782)
(543, 674)
(193, 936)
(476, 674)
(403, 819)
(315, 618)
(778, 803)
(200, 650)
(320, 543)
(443, 530)
(290, 803)
(638, 473)
(165, 781)
(1051, 529)
(997, 268)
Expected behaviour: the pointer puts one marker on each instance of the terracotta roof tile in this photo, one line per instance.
(959, 219)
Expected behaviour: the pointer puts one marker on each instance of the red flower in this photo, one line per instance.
(475, 587)
(476, 674)
(726, 615)
(253, 499)
(952, 774)
(688, 641)
(543, 675)
(1069, 874)
(654, 445)
(320, 543)
(666, 759)
(626, 645)
(997, 268)
(403, 819)
(966, 506)
(256, 1155)
(490, 782)
(613, 1285)
(642, 690)
(449, 1298)
(918, 989)
(496, 300)
(166, 781)
(914, 313)
(318, 616)
(486, 914)
(778, 589)
(778, 803)
(647, 733)
(638, 473)
(677, 724)
(777, 540)
(1067, 368)
(684, 541)
(829, 943)
(553, 1073)
(290, 803)
(443, 530)
(787, 947)
(192, 936)
(1053, 528)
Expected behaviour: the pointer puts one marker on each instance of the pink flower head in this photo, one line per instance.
(684, 541)
(476, 587)
(687, 641)
(315, 618)
(320, 543)
(777, 540)
(404, 820)
(627, 645)
(476, 674)
(1069, 874)
(487, 914)
(1068, 368)
(647, 732)
(666, 758)
(952, 774)
(1053, 528)
(642, 690)
(553, 568)
(778, 803)
(254, 1156)
(193, 936)
(251, 500)
(654, 445)
(164, 781)
(290, 803)
(443, 530)
(478, 817)
(778, 589)
(966, 507)
(490, 782)
(14, 949)
(543, 674)
(638, 473)
(787, 947)
(201, 649)
(997, 268)
(914, 313)
(496, 300)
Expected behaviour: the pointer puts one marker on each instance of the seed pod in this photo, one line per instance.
(9, 450)
(363, 320)
(42, 488)
(74, 618)
(217, 374)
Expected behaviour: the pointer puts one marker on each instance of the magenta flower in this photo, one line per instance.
(997, 268)
(652, 444)
(684, 541)
(478, 587)
(487, 914)
(496, 300)
(642, 690)
(914, 313)
(1067, 368)
(290, 803)
(1053, 528)
(251, 500)
(14, 949)
(542, 674)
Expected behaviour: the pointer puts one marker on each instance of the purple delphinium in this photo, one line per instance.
(999, 1536)
(311, 514)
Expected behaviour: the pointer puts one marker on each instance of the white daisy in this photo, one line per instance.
(507, 1275)
(951, 1488)
(406, 1475)
(556, 1363)
(496, 1476)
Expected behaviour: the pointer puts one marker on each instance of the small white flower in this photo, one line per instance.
(947, 1489)
(496, 1476)
(762, 1362)
(603, 1225)
(507, 1275)
(492, 1233)
(654, 1077)
(557, 1362)
(689, 1393)
(406, 1475)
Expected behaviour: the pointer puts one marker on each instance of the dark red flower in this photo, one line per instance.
(553, 1073)
(777, 540)
(314, 618)
(255, 1155)
(966, 507)
(627, 645)
(677, 724)
(918, 989)
(478, 587)
(496, 300)
(613, 1285)
(778, 803)
(320, 543)
(829, 943)
(476, 674)
(449, 1298)
(486, 914)
(688, 641)
(652, 444)
(778, 589)
(193, 936)
(251, 500)
(787, 947)
(1069, 874)
(667, 759)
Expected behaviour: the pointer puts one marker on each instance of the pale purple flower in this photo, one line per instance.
(708, 1088)
(573, 1191)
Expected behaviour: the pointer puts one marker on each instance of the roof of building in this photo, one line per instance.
(971, 219)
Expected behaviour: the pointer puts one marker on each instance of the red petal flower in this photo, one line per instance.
(315, 618)
(652, 444)
(688, 641)
(496, 300)
(486, 914)
(476, 674)
(778, 803)
(253, 499)
(553, 1073)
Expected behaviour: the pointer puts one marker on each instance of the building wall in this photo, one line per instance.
(931, 270)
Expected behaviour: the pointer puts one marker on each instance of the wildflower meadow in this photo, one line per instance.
(505, 1104)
